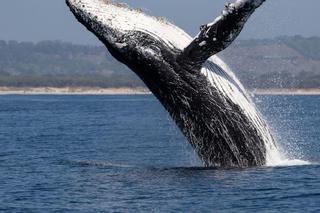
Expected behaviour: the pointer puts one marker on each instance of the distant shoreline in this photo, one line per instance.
(313, 91)
(72, 91)
(129, 91)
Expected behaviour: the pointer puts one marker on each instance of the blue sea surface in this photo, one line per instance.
(124, 154)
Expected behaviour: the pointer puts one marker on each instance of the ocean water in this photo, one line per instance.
(124, 154)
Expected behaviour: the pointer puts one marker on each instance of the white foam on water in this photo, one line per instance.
(275, 158)
(294, 162)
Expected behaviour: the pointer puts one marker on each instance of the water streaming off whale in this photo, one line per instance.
(200, 92)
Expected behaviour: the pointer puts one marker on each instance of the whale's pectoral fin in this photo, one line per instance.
(218, 35)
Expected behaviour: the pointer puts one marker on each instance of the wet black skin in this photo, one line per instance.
(217, 128)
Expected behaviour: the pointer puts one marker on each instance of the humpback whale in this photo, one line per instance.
(200, 92)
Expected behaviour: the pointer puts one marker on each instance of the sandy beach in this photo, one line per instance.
(129, 91)
(313, 91)
(72, 91)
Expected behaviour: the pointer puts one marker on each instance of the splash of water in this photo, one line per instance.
(276, 158)
(290, 154)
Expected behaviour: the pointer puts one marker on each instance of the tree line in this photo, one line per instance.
(61, 64)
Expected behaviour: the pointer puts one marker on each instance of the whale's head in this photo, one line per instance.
(132, 36)
(99, 16)
(129, 34)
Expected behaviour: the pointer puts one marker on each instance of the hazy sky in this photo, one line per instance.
(36, 20)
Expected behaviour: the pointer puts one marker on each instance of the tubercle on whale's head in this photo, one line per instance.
(115, 25)
(98, 17)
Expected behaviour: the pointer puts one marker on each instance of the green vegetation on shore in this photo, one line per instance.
(59, 64)
(286, 62)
